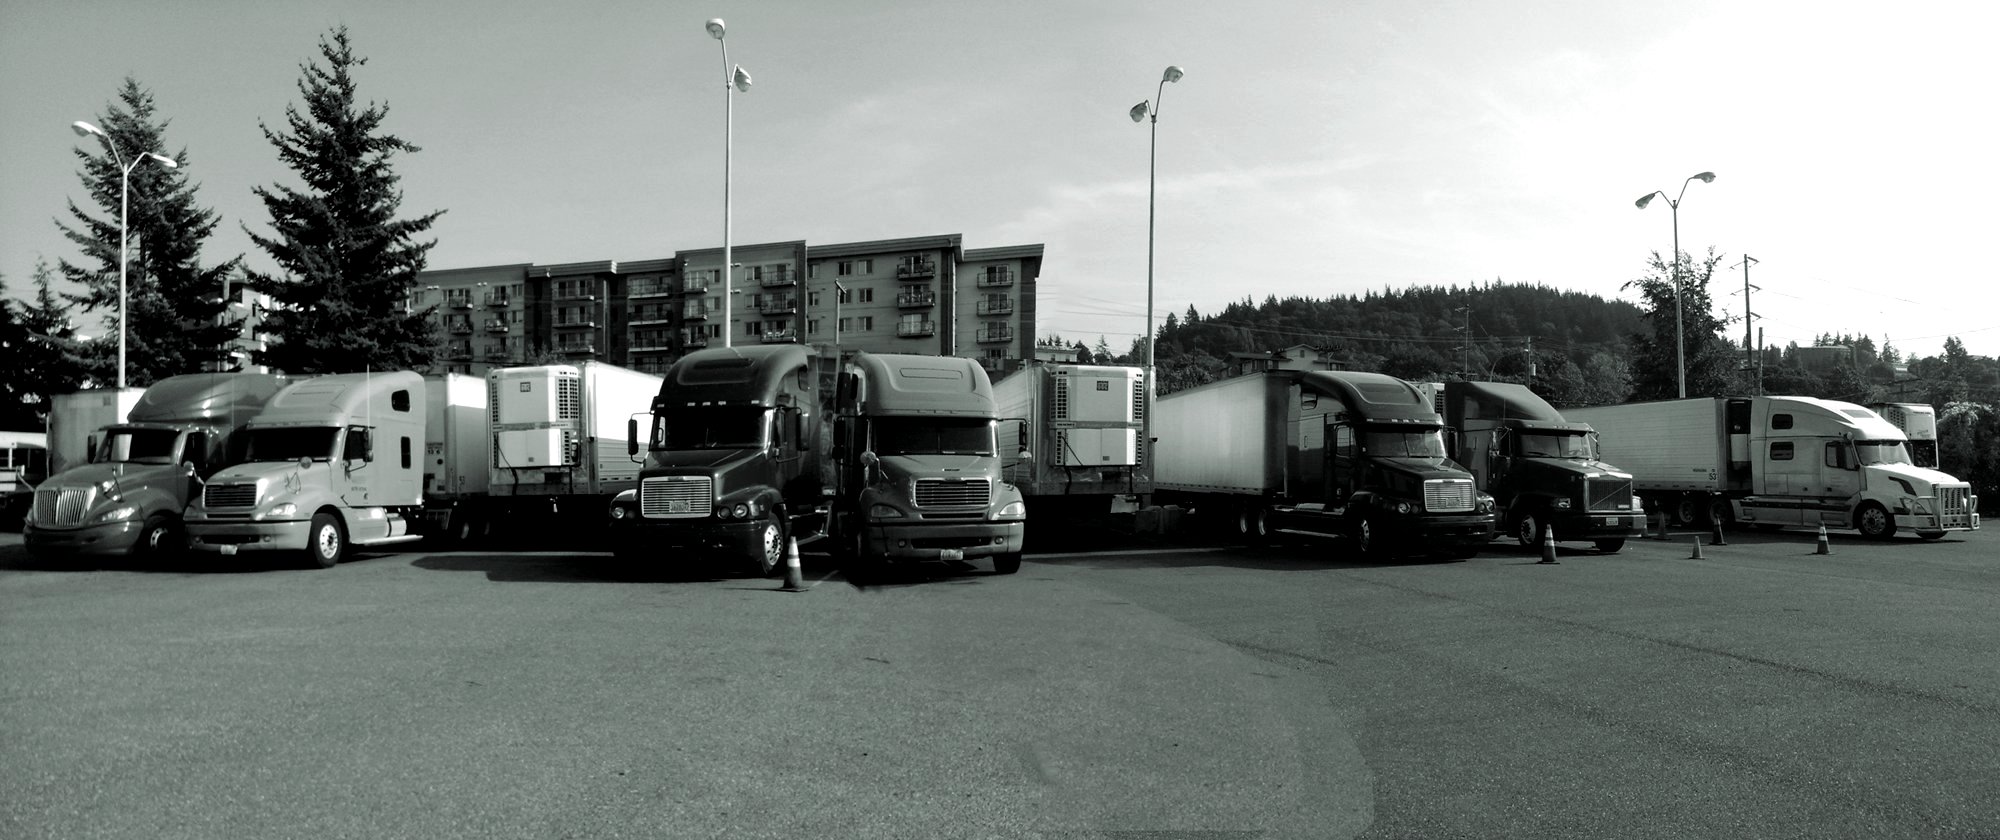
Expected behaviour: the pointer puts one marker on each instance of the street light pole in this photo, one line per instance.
(1680, 342)
(84, 129)
(733, 79)
(1139, 112)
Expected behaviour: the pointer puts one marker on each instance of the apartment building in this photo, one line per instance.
(926, 295)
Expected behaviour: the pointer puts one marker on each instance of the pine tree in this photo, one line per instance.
(173, 304)
(53, 360)
(1711, 359)
(346, 263)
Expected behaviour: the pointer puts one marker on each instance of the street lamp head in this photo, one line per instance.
(1645, 200)
(164, 160)
(1139, 112)
(1173, 73)
(742, 79)
(715, 28)
(1706, 177)
(84, 129)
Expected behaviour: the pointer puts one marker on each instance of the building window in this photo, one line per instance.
(865, 295)
(866, 322)
(812, 298)
(812, 326)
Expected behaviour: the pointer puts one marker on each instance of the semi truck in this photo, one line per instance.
(1544, 472)
(1919, 423)
(893, 457)
(330, 463)
(1779, 460)
(127, 497)
(1081, 426)
(1338, 453)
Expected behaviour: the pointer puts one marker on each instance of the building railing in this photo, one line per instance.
(995, 307)
(778, 276)
(912, 300)
(783, 336)
(997, 279)
(782, 306)
(695, 311)
(999, 334)
(496, 326)
(695, 340)
(575, 323)
(694, 286)
(919, 329)
(461, 328)
(496, 298)
(916, 269)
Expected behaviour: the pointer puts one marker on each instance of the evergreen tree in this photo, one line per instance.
(1711, 359)
(17, 406)
(44, 357)
(346, 263)
(174, 311)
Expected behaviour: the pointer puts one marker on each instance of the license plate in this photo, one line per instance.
(951, 554)
(679, 506)
(227, 549)
(1611, 520)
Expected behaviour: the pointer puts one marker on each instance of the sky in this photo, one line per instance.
(1313, 148)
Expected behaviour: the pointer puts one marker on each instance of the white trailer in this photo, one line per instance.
(457, 438)
(1080, 425)
(1919, 422)
(74, 421)
(560, 442)
(1779, 461)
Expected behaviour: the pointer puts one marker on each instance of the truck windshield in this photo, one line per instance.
(138, 446)
(314, 442)
(1881, 452)
(1403, 443)
(1556, 445)
(711, 427)
(933, 436)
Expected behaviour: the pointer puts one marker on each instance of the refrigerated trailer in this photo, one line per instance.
(1779, 461)
(560, 447)
(1919, 422)
(1080, 425)
(1358, 455)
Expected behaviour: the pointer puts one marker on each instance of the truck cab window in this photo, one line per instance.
(712, 427)
(1386, 443)
(1871, 452)
(138, 446)
(289, 444)
(933, 436)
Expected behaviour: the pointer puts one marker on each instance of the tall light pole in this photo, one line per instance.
(1674, 204)
(1140, 112)
(733, 80)
(84, 129)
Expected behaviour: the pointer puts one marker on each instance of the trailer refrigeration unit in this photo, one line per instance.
(1542, 471)
(561, 445)
(1776, 461)
(1080, 425)
(1919, 422)
(1359, 455)
(143, 471)
(894, 459)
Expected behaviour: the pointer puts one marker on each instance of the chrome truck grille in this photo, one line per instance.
(676, 497)
(953, 492)
(1954, 506)
(217, 496)
(1448, 495)
(63, 506)
(1605, 494)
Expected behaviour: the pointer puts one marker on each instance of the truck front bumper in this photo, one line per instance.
(685, 539)
(937, 541)
(109, 539)
(1599, 526)
(1438, 532)
(246, 537)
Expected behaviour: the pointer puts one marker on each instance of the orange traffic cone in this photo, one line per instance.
(794, 582)
(1548, 545)
(1697, 549)
(1823, 547)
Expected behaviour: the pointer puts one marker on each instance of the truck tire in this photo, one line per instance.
(325, 541)
(768, 550)
(1687, 510)
(1362, 534)
(160, 539)
(1006, 564)
(1610, 546)
(1874, 522)
(1528, 529)
(1253, 524)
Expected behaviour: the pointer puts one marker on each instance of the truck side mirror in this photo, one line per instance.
(632, 437)
(799, 441)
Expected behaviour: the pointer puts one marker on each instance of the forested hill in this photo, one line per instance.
(1415, 333)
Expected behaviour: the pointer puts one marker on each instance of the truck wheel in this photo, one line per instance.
(325, 542)
(1363, 535)
(1528, 529)
(160, 539)
(1252, 525)
(855, 562)
(1687, 511)
(1610, 546)
(1006, 564)
(768, 552)
(1874, 522)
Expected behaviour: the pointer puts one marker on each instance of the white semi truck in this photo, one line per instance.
(1778, 461)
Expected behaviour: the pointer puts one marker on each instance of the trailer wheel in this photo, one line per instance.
(1363, 535)
(1688, 510)
(1253, 524)
(325, 542)
(769, 550)
(1874, 522)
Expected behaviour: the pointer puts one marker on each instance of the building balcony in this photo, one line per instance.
(660, 287)
(460, 329)
(916, 300)
(916, 270)
(996, 335)
(788, 306)
(784, 336)
(643, 317)
(995, 307)
(458, 352)
(657, 367)
(575, 295)
(496, 327)
(460, 302)
(695, 340)
(996, 280)
(918, 330)
(496, 299)
(778, 277)
(577, 324)
(590, 349)
(651, 345)
(695, 312)
(497, 355)
(694, 286)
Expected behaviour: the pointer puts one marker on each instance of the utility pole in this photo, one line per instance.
(1749, 350)
(1465, 343)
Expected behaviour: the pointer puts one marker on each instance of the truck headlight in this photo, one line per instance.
(282, 511)
(620, 511)
(740, 511)
(1012, 510)
(884, 512)
(1404, 508)
(1484, 504)
(117, 514)
(1563, 504)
